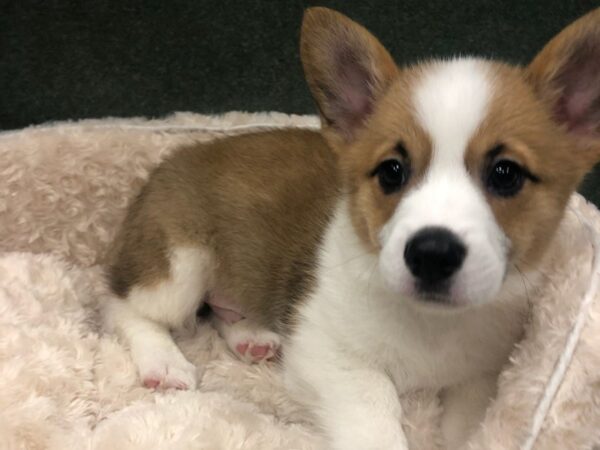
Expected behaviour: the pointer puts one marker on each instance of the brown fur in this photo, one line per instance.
(518, 121)
(521, 118)
(259, 201)
(392, 124)
(575, 51)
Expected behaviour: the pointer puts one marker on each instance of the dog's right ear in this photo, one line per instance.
(346, 68)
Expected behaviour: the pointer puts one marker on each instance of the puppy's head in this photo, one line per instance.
(459, 170)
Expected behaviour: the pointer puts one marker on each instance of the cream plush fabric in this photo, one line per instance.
(66, 384)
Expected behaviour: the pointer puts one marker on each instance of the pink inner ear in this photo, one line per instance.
(579, 105)
(580, 110)
(352, 98)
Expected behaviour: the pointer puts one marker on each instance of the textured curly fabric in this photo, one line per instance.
(64, 383)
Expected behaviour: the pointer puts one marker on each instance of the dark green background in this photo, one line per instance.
(63, 59)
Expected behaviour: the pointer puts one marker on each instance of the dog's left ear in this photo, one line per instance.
(566, 75)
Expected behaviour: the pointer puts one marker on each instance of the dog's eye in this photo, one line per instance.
(505, 178)
(392, 175)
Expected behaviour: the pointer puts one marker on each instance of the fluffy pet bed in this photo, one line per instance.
(66, 384)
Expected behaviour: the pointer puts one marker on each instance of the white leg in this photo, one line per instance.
(363, 412)
(357, 406)
(359, 410)
(159, 361)
(464, 409)
(144, 318)
(250, 342)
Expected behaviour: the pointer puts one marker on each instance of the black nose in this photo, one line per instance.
(433, 254)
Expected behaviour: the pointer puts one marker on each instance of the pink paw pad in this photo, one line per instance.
(255, 352)
(151, 383)
(242, 348)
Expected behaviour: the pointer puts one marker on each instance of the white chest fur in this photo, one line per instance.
(351, 317)
(356, 347)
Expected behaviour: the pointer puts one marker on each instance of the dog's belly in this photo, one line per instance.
(224, 308)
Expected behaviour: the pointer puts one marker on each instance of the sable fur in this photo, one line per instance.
(259, 202)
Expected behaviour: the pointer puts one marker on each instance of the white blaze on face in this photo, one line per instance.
(450, 102)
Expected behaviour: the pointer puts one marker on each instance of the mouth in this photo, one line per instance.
(433, 292)
(436, 297)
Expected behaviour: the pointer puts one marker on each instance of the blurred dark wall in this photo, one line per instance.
(62, 59)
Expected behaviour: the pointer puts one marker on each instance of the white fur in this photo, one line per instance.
(144, 318)
(358, 345)
(159, 361)
(451, 99)
(464, 409)
(450, 102)
(174, 300)
(361, 341)
(247, 333)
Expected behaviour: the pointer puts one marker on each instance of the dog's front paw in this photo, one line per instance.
(370, 444)
(167, 371)
(369, 438)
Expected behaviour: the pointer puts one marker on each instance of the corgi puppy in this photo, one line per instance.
(387, 252)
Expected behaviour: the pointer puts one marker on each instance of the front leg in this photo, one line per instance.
(360, 410)
(356, 406)
(464, 409)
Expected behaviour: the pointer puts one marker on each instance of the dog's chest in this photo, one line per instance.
(418, 348)
(357, 318)
(439, 350)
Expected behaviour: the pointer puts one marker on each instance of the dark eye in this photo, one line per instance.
(505, 178)
(392, 175)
